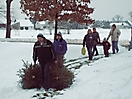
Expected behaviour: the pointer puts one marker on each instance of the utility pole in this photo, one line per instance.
(8, 17)
(56, 24)
(131, 33)
(130, 45)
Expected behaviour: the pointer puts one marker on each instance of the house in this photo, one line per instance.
(130, 23)
(2, 23)
(2, 26)
(25, 24)
(121, 25)
(40, 25)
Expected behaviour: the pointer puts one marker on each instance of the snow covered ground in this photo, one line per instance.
(106, 78)
(74, 34)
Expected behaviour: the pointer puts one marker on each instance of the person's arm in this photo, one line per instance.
(65, 47)
(34, 54)
(118, 33)
(84, 41)
(53, 52)
(54, 45)
(98, 38)
(109, 35)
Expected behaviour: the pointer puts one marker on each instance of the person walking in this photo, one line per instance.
(89, 42)
(60, 46)
(106, 47)
(43, 51)
(97, 41)
(114, 33)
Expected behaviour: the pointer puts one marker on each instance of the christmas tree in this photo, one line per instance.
(30, 76)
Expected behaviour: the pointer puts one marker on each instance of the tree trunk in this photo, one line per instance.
(56, 26)
(50, 31)
(68, 31)
(131, 33)
(8, 25)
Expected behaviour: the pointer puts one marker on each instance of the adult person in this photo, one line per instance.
(89, 42)
(60, 46)
(97, 41)
(114, 33)
(43, 51)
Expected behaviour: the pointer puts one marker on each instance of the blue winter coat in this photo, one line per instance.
(60, 46)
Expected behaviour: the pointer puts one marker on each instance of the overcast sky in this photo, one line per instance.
(104, 9)
(107, 9)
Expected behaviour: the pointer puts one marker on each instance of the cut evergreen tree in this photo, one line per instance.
(30, 77)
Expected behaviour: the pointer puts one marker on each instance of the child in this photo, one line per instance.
(106, 47)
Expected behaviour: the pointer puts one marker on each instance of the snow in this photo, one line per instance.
(106, 78)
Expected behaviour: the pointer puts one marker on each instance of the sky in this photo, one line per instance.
(104, 9)
(107, 9)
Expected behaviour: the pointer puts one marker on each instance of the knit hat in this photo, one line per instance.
(105, 39)
(40, 35)
(114, 25)
(59, 33)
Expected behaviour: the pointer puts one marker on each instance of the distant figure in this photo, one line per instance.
(60, 46)
(97, 41)
(114, 33)
(106, 47)
(89, 42)
(130, 45)
(43, 51)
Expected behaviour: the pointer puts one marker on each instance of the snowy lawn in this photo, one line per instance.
(106, 78)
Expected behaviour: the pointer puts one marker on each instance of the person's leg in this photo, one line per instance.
(116, 46)
(113, 47)
(42, 72)
(88, 49)
(61, 60)
(107, 54)
(90, 53)
(47, 75)
(96, 50)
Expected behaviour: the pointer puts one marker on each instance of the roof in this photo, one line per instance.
(42, 22)
(122, 23)
(25, 22)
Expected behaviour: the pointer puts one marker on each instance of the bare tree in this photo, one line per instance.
(130, 14)
(117, 18)
(8, 25)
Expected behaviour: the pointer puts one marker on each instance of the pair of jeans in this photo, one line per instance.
(90, 52)
(60, 60)
(45, 73)
(115, 46)
(95, 50)
(106, 53)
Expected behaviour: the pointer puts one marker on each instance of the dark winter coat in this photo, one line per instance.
(60, 46)
(89, 40)
(44, 51)
(106, 45)
(97, 38)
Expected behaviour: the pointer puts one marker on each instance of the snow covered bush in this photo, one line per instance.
(30, 77)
